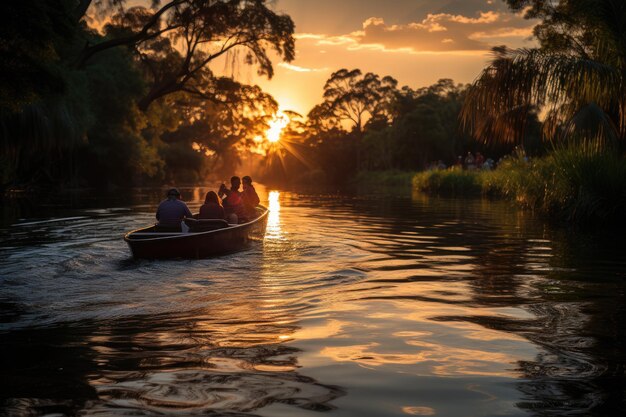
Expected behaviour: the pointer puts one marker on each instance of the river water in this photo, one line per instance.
(368, 305)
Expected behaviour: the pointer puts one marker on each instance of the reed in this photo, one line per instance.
(580, 184)
(449, 182)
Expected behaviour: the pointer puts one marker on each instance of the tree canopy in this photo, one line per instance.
(176, 40)
(401, 128)
(351, 96)
(576, 76)
(106, 85)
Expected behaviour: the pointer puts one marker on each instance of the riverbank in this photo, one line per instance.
(580, 186)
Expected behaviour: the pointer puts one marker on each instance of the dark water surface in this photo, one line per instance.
(353, 306)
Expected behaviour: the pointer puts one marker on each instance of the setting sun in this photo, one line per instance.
(276, 127)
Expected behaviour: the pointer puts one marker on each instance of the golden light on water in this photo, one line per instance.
(418, 411)
(276, 127)
(273, 219)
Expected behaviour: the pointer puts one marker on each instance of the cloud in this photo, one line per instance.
(440, 32)
(297, 68)
(523, 33)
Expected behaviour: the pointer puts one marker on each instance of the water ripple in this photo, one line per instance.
(361, 306)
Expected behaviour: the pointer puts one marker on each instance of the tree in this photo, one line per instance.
(577, 75)
(178, 39)
(100, 105)
(40, 111)
(424, 129)
(221, 128)
(353, 97)
(116, 149)
(30, 32)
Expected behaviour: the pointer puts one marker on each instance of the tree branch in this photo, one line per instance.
(142, 35)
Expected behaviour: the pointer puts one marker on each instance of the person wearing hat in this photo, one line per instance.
(172, 211)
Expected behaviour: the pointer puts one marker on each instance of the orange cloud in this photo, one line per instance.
(442, 32)
(297, 68)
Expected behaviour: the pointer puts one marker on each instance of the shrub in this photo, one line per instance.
(450, 182)
(580, 184)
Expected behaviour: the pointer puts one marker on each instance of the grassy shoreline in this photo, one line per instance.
(580, 186)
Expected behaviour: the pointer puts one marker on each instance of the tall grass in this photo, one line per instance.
(590, 185)
(450, 182)
(580, 184)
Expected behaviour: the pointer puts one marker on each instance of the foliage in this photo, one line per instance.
(351, 96)
(30, 67)
(120, 107)
(449, 182)
(401, 129)
(576, 76)
(175, 41)
(579, 183)
(42, 112)
(423, 130)
(115, 144)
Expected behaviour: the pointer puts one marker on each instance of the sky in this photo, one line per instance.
(415, 41)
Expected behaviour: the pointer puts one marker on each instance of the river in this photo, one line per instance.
(366, 305)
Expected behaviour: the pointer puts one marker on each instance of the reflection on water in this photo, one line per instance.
(273, 219)
(365, 305)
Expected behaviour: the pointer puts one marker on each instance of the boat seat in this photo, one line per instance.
(205, 225)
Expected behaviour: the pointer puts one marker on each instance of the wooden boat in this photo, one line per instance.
(205, 238)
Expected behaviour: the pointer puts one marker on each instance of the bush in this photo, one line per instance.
(590, 183)
(580, 184)
(450, 182)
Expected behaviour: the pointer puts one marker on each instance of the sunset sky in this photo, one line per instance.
(415, 41)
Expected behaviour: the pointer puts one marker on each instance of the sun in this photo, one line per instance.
(276, 127)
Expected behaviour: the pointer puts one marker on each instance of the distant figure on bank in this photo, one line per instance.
(479, 160)
(212, 207)
(250, 197)
(232, 201)
(470, 161)
(172, 211)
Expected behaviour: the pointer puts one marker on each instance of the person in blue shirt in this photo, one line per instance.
(172, 211)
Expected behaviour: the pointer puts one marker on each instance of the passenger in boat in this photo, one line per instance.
(232, 201)
(172, 211)
(250, 197)
(212, 207)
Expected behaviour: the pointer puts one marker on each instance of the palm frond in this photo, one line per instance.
(535, 78)
(591, 125)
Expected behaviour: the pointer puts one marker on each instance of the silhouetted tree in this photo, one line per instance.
(219, 129)
(76, 102)
(202, 30)
(353, 97)
(424, 129)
